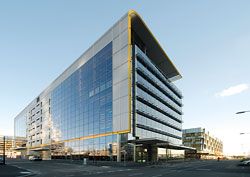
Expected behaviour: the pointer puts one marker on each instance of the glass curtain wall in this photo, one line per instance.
(81, 110)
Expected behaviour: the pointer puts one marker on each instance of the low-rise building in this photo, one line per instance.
(13, 146)
(207, 146)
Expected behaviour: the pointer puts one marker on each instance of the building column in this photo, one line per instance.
(152, 151)
(118, 148)
(134, 154)
(166, 154)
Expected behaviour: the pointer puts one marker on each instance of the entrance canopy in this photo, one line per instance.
(41, 149)
(20, 148)
(147, 141)
(160, 143)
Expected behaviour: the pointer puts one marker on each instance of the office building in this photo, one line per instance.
(207, 146)
(117, 99)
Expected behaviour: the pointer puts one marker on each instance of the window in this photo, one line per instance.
(80, 103)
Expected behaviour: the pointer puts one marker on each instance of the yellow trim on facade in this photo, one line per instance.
(129, 70)
(80, 138)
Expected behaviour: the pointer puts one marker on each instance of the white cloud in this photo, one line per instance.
(233, 90)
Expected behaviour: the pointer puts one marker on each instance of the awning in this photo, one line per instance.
(160, 143)
(180, 147)
(19, 148)
(41, 149)
(147, 141)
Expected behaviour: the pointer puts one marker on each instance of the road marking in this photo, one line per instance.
(110, 171)
(27, 175)
(136, 174)
(25, 172)
(129, 169)
(105, 166)
(204, 169)
(99, 172)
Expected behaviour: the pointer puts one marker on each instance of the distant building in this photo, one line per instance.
(13, 146)
(207, 146)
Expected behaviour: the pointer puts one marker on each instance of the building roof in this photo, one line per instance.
(154, 49)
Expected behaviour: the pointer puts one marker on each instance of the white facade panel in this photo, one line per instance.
(124, 24)
(123, 104)
(120, 41)
(124, 121)
(120, 57)
(116, 107)
(123, 39)
(117, 123)
(123, 88)
(123, 71)
(120, 74)
(115, 77)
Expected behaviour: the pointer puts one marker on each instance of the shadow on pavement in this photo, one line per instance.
(12, 171)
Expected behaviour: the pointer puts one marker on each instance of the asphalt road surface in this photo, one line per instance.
(227, 168)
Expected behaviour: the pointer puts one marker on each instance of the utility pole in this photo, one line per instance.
(4, 150)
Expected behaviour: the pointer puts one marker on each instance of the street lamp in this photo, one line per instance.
(244, 133)
(242, 112)
(4, 150)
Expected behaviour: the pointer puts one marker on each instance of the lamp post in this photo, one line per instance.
(244, 133)
(242, 112)
(4, 150)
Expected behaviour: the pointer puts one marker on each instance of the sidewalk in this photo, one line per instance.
(12, 171)
(122, 164)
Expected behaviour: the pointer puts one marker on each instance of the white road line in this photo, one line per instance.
(157, 175)
(136, 174)
(203, 169)
(99, 172)
(25, 172)
(110, 171)
(24, 175)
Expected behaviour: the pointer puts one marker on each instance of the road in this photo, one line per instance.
(227, 168)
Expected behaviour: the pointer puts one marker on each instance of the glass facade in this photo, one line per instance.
(81, 106)
(20, 125)
(158, 104)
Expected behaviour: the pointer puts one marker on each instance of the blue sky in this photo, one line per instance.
(208, 41)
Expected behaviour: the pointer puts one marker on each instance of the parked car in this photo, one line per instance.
(35, 158)
(245, 163)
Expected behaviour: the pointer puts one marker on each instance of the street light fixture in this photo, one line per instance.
(242, 112)
(244, 133)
